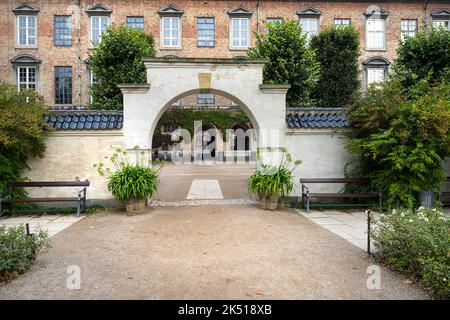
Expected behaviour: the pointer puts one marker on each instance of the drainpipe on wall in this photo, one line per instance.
(257, 17)
(426, 16)
(79, 54)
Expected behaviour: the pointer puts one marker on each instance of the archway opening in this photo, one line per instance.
(218, 124)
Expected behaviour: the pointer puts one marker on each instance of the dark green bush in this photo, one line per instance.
(118, 59)
(22, 133)
(19, 250)
(401, 139)
(417, 243)
(290, 60)
(337, 51)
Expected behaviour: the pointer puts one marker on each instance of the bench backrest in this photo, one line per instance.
(29, 184)
(334, 180)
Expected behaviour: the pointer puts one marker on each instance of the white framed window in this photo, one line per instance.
(26, 78)
(375, 75)
(408, 28)
(99, 26)
(441, 23)
(240, 33)
(170, 32)
(375, 34)
(26, 30)
(342, 22)
(310, 26)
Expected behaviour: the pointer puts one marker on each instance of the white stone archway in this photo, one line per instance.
(169, 79)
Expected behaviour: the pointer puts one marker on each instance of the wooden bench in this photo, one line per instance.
(306, 195)
(80, 198)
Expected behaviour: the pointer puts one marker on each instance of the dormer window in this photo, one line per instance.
(26, 25)
(99, 18)
(309, 21)
(170, 27)
(240, 27)
(376, 29)
(441, 18)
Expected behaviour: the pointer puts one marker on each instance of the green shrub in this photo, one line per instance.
(290, 60)
(19, 250)
(274, 181)
(401, 139)
(130, 180)
(417, 243)
(22, 131)
(337, 51)
(118, 59)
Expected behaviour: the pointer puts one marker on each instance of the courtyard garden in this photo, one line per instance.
(398, 137)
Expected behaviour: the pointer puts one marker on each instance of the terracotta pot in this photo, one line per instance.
(136, 205)
(262, 202)
(272, 203)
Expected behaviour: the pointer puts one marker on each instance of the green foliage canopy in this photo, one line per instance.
(424, 56)
(22, 133)
(118, 59)
(290, 60)
(401, 139)
(185, 118)
(337, 51)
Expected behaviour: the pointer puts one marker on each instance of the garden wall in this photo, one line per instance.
(70, 154)
(323, 155)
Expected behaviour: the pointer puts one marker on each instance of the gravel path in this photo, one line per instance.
(204, 252)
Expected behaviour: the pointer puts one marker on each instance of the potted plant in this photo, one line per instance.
(131, 183)
(273, 182)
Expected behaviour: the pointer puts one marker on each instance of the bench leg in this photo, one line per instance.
(79, 205)
(307, 203)
(380, 202)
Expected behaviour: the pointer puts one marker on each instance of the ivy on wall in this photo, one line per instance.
(185, 118)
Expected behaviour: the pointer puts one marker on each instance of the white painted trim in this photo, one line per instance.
(231, 46)
(161, 32)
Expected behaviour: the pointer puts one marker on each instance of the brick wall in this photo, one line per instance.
(52, 56)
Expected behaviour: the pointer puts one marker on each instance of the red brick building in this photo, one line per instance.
(45, 44)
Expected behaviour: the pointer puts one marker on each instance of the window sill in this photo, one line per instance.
(25, 47)
(379, 50)
(171, 48)
(238, 48)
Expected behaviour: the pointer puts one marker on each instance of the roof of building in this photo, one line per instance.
(316, 118)
(113, 119)
(85, 119)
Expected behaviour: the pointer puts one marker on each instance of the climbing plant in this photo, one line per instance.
(185, 118)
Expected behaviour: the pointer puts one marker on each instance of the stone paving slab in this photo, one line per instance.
(351, 226)
(52, 223)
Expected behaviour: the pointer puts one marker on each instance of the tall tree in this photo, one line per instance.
(425, 55)
(290, 59)
(22, 133)
(337, 51)
(118, 59)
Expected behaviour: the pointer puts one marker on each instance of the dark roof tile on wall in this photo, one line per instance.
(85, 119)
(316, 118)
